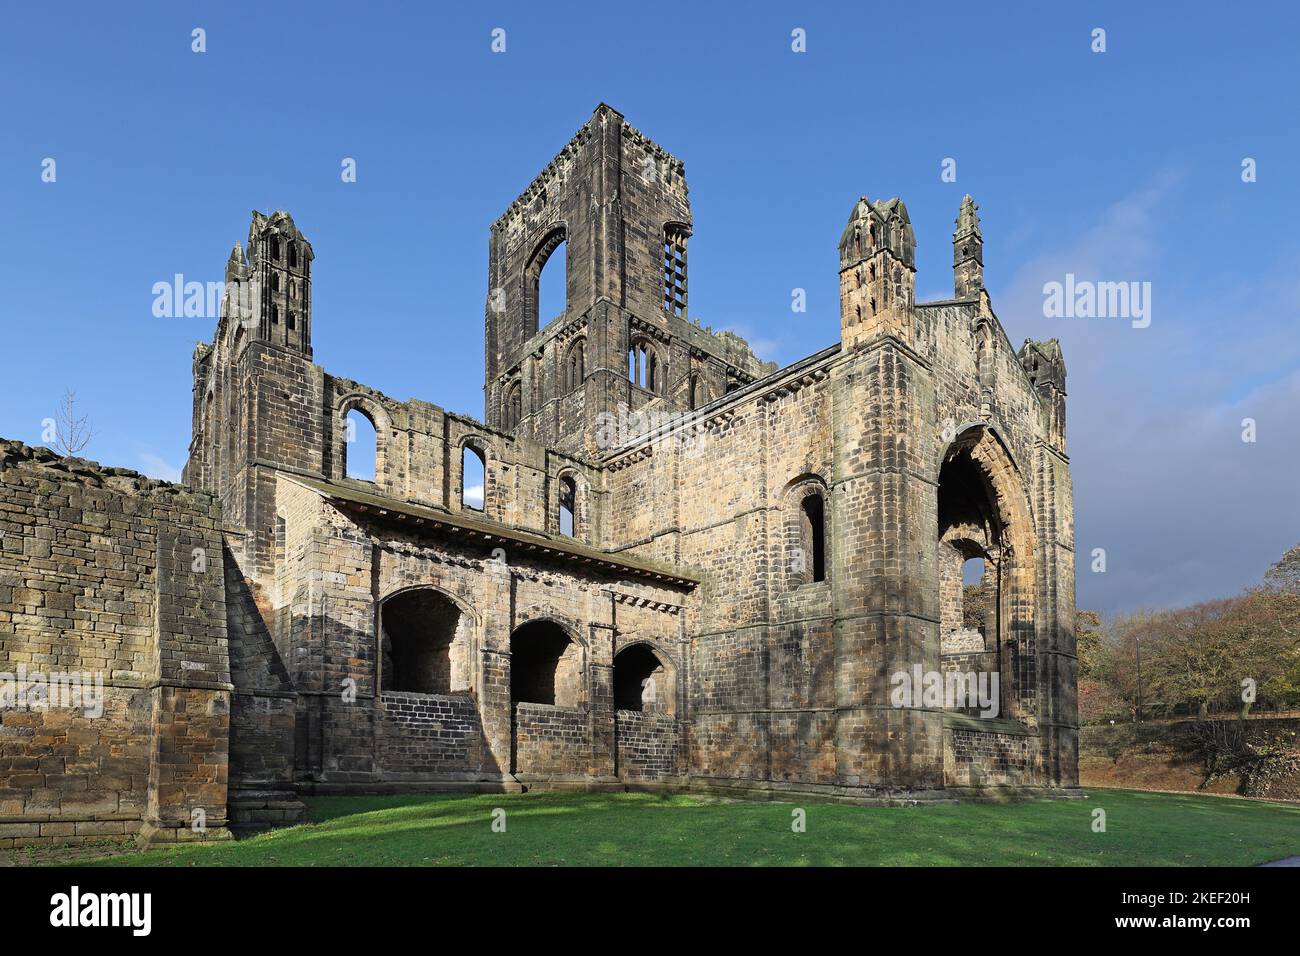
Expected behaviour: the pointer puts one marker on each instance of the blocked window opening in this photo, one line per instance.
(568, 499)
(641, 682)
(424, 642)
(360, 445)
(513, 409)
(473, 470)
(575, 369)
(813, 526)
(545, 666)
(674, 262)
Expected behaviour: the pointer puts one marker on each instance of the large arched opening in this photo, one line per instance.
(549, 733)
(546, 298)
(643, 681)
(545, 666)
(424, 643)
(645, 709)
(986, 579)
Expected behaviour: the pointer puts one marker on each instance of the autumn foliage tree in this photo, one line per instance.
(1227, 655)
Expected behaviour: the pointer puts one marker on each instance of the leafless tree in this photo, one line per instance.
(71, 432)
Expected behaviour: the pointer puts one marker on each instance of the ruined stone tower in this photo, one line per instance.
(617, 204)
(658, 560)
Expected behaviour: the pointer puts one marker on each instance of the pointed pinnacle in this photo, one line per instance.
(968, 222)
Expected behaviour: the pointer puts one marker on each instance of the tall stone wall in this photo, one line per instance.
(790, 677)
(112, 582)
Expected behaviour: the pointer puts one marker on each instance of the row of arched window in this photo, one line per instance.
(646, 370)
(573, 373)
(275, 285)
(291, 317)
(292, 251)
(473, 490)
(361, 436)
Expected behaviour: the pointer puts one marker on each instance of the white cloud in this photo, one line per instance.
(155, 467)
(474, 496)
(1185, 509)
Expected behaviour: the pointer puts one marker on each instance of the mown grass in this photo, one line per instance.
(567, 829)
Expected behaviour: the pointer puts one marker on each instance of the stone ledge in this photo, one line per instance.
(991, 725)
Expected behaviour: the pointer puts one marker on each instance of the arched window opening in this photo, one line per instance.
(545, 666)
(293, 255)
(812, 514)
(641, 681)
(974, 596)
(568, 501)
(473, 471)
(275, 249)
(291, 321)
(360, 445)
(674, 262)
(807, 547)
(275, 315)
(275, 282)
(977, 569)
(695, 393)
(424, 644)
(552, 297)
(643, 367)
(547, 297)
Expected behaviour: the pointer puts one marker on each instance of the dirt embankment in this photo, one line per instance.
(1172, 755)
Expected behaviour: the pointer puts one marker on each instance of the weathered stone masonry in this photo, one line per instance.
(689, 568)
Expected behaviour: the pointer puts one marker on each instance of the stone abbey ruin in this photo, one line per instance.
(686, 568)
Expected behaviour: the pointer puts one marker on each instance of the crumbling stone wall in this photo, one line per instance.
(118, 578)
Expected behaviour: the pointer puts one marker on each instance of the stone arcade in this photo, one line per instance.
(718, 602)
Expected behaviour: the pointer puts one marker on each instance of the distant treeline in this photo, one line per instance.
(1232, 655)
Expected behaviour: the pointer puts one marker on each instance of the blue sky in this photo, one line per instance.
(1119, 166)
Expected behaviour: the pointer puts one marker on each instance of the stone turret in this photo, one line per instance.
(877, 272)
(1045, 365)
(279, 267)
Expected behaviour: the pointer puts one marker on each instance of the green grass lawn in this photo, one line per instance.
(566, 829)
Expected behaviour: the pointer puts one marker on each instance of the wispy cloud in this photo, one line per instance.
(155, 467)
(1185, 509)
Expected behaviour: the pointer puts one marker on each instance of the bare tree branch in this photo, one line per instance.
(72, 432)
